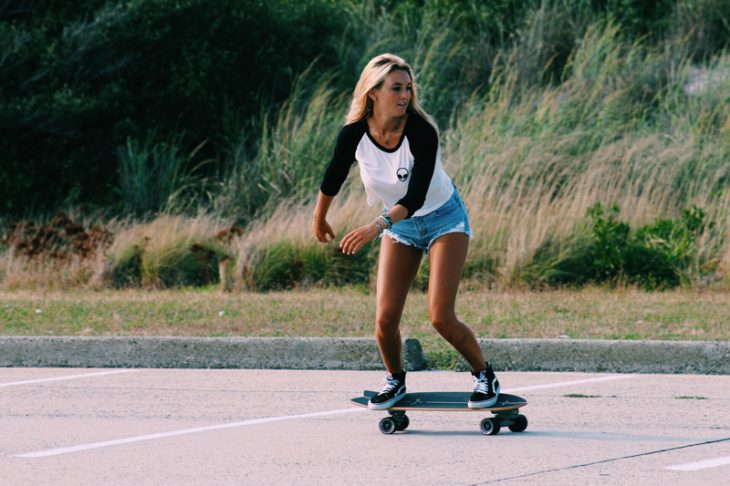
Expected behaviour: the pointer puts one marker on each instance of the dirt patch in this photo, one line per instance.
(59, 239)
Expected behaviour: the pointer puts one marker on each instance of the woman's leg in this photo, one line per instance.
(447, 257)
(397, 267)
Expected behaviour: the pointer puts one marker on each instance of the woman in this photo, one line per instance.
(395, 142)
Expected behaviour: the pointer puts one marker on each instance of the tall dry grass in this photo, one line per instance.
(531, 168)
(18, 272)
(60, 265)
(621, 129)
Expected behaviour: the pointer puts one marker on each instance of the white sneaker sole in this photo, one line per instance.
(388, 404)
(484, 403)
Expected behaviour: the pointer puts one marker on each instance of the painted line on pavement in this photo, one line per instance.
(700, 465)
(173, 433)
(569, 383)
(67, 377)
(195, 430)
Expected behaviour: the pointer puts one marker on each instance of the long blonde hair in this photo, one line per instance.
(372, 77)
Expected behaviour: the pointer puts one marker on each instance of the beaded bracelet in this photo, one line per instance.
(379, 225)
(383, 222)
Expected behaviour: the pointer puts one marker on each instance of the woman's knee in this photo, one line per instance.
(387, 323)
(445, 323)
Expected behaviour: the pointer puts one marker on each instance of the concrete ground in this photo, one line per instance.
(152, 426)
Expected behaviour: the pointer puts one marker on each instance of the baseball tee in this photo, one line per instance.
(409, 174)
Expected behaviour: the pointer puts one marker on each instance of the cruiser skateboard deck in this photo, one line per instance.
(505, 412)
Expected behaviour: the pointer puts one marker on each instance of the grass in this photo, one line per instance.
(620, 128)
(533, 138)
(591, 313)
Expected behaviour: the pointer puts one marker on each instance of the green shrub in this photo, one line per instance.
(658, 255)
(168, 252)
(276, 267)
(676, 239)
(611, 248)
(126, 270)
(285, 265)
(195, 265)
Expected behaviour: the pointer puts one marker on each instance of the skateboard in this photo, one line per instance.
(505, 412)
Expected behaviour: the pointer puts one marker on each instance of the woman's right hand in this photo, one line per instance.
(322, 230)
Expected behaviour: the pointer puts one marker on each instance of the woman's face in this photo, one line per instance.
(393, 97)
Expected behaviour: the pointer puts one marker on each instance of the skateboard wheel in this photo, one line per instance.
(519, 425)
(402, 423)
(387, 426)
(490, 426)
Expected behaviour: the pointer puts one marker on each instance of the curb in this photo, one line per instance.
(687, 357)
(601, 356)
(188, 352)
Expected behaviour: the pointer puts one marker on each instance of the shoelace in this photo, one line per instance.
(481, 384)
(389, 385)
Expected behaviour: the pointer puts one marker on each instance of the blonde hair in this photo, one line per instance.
(372, 77)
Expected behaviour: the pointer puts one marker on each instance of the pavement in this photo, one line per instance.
(670, 357)
(240, 426)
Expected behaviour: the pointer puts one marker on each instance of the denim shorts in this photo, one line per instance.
(422, 231)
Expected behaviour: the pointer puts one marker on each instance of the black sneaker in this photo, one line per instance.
(393, 390)
(486, 389)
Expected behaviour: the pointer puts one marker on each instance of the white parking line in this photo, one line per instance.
(568, 383)
(195, 430)
(173, 433)
(699, 465)
(66, 377)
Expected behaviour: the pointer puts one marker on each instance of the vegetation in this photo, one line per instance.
(589, 313)
(657, 255)
(588, 139)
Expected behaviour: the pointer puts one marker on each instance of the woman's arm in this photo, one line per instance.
(321, 227)
(355, 239)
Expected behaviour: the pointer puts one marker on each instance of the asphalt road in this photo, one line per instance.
(152, 426)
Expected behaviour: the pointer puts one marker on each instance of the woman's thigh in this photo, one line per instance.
(447, 257)
(397, 267)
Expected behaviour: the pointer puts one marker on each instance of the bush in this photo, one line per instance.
(168, 252)
(285, 265)
(658, 255)
(676, 240)
(193, 265)
(126, 270)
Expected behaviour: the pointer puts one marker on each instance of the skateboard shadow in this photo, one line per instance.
(456, 433)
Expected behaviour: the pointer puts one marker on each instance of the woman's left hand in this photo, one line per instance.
(355, 239)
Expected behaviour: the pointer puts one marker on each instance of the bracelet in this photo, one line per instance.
(383, 222)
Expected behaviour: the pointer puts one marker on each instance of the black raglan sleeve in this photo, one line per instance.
(424, 142)
(343, 156)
